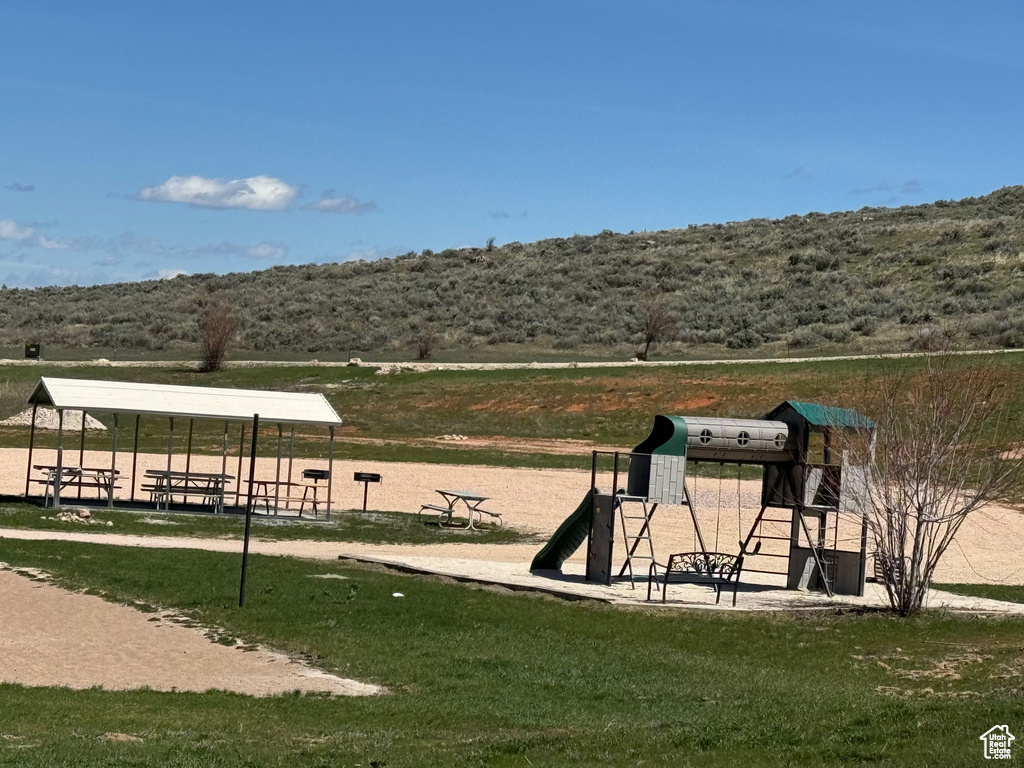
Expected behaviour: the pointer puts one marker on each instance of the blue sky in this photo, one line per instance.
(139, 140)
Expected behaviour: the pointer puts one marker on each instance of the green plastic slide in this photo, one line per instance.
(567, 538)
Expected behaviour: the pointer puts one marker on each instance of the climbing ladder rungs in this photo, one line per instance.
(644, 534)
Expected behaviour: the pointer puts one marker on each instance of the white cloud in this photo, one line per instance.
(10, 230)
(329, 203)
(267, 252)
(169, 274)
(256, 193)
(372, 254)
(53, 245)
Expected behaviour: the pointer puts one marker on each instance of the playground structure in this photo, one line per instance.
(804, 529)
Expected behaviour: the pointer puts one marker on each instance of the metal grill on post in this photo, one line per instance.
(366, 478)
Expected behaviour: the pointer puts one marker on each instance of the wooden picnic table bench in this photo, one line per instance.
(103, 479)
(472, 502)
(717, 570)
(269, 492)
(166, 484)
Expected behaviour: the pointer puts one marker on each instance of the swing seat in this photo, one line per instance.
(717, 570)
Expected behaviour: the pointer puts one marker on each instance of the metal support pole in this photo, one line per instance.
(31, 446)
(693, 515)
(863, 555)
(330, 470)
(248, 508)
(135, 453)
(241, 453)
(224, 451)
(81, 454)
(113, 462)
(291, 455)
(170, 450)
(277, 469)
(60, 459)
(170, 443)
(188, 452)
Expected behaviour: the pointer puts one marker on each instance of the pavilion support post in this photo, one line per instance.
(60, 458)
(135, 453)
(81, 453)
(224, 450)
(188, 452)
(291, 455)
(113, 462)
(277, 470)
(330, 470)
(170, 442)
(241, 453)
(170, 451)
(248, 508)
(31, 446)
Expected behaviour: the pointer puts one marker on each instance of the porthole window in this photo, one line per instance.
(705, 436)
(742, 438)
(780, 441)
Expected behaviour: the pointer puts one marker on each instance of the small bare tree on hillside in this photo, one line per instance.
(426, 340)
(218, 324)
(939, 458)
(656, 321)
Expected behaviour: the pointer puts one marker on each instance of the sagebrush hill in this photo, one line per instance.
(873, 279)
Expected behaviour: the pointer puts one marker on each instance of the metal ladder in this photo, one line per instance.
(633, 541)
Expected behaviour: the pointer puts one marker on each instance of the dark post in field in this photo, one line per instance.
(248, 507)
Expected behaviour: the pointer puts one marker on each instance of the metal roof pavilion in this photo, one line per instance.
(191, 402)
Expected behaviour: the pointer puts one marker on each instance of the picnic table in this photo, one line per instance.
(103, 479)
(166, 484)
(472, 502)
(269, 492)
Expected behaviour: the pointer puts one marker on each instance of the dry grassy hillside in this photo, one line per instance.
(876, 278)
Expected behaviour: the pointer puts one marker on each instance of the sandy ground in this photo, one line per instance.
(53, 637)
(987, 549)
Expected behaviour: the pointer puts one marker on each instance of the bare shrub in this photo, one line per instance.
(656, 321)
(218, 324)
(426, 341)
(940, 434)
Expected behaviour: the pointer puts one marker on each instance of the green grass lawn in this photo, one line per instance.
(596, 406)
(1009, 592)
(346, 525)
(483, 678)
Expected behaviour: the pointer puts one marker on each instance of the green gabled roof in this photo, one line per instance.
(826, 415)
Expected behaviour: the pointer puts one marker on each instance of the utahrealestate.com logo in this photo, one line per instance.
(997, 742)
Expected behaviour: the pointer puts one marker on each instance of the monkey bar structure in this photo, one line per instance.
(68, 475)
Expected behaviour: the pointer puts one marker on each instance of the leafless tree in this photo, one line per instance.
(656, 321)
(218, 324)
(426, 340)
(940, 458)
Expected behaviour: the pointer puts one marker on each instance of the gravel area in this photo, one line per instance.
(52, 637)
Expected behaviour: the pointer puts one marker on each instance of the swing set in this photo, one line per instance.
(797, 531)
